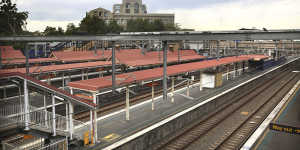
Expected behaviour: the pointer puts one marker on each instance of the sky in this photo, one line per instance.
(200, 15)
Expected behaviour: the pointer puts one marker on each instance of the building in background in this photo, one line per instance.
(130, 9)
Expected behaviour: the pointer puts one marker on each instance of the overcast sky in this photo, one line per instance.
(196, 14)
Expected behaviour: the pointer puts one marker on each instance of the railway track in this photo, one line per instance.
(229, 127)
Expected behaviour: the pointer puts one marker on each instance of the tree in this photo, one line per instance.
(144, 25)
(172, 27)
(11, 21)
(114, 27)
(51, 31)
(158, 25)
(71, 29)
(93, 25)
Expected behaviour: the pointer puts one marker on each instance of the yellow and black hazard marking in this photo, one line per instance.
(111, 137)
(284, 128)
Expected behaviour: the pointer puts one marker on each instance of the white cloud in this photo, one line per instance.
(41, 25)
(271, 14)
(221, 15)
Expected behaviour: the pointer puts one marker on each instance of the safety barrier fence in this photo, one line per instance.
(39, 119)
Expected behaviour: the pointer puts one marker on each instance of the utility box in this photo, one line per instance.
(212, 80)
(218, 80)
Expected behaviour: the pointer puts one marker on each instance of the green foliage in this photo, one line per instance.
(144, 25)
(12, 22)
(93, 25)
(71, 29)
(114, 27)
(52, 31)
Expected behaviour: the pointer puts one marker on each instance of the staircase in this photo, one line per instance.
(13, 115)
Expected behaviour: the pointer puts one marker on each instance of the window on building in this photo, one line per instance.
(128, 11)
(127, 5)
(136, 6)
(100, 14)
(117, 9)
(136, 11)
(105, 14)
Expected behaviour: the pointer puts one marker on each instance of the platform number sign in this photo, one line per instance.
(284, 128)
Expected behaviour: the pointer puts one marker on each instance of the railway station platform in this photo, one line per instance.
(282, 132)
(114, 130)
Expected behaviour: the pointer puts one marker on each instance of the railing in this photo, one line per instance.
(59, 145)
(40, 119)
(19, 143)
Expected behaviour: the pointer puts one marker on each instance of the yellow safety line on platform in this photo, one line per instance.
(276, 118)
(111, 137)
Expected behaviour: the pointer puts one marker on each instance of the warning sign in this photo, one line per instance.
(284, 128)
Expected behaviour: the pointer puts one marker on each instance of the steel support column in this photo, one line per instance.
(127, 103)
(45, 109)
(293, 46)
(82, 74)
(67, 117)
(53, 116)
(188, 87)
(4, 92)
(63, 80)
(71, 114)
(91, 127)
(173, 84)
(95, 119)
(234, 73)
(227, 76)
(200, 81)
(218, 50)
(165, 86)
(26, 106)
(87, 74)
(153, 95)
(243, 66)
(27, 59)
(113, 61)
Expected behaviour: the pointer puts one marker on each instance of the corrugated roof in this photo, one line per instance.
(123, 79)
(136, 58)
(256, 57)
(69, 56)
(35, 60)
(64, 67)
(8, 53)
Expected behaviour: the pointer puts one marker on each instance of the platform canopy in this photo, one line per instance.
(138, 58)
(99, 84)
(57, 68)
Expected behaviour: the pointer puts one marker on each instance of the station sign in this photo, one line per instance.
(284, 128)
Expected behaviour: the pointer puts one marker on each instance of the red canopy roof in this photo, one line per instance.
(9, 53)
(123, 79)
(136, 58)
(35, 60)
(68, 56)
(39, 69)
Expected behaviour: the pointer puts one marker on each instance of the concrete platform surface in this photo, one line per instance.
(275, 140)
